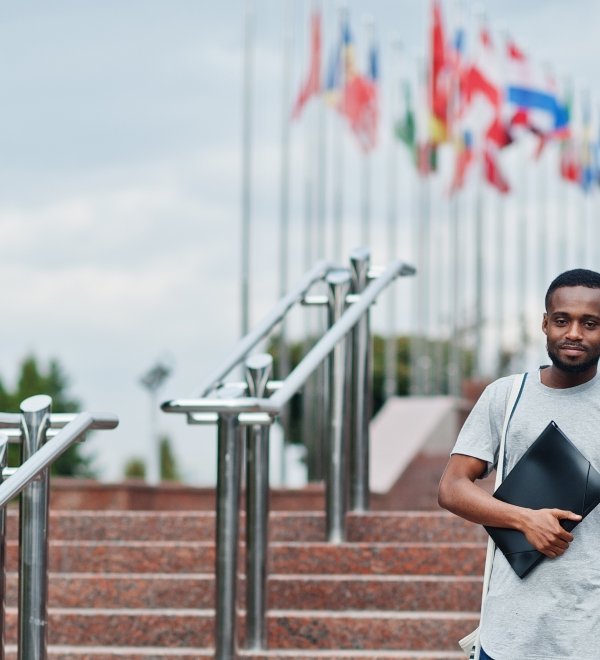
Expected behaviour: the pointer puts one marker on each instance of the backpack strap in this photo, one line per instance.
(513, 400)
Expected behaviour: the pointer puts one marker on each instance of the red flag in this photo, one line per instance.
(312, 84)
(570, 166)
(360, 108)
(438, 80)
(492, 172)
(515, 52)
(498, 133)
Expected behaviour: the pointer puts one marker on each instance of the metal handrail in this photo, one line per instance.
(245, 419)
(275, 316)
(58, 421)
(50, 451)
(296, 379)
(33, 427)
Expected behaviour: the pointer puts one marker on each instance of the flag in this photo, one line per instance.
(481, 89)
(587, 173)
(405, 128)
(426, 157)
(464, 158)
(360, 109)
(439, 83)
(312, 83)
(570, 167)
(334, 82)
(353, 94)
(491, 169)
(528, 93)
(363, 98)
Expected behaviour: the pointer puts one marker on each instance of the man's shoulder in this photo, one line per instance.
(501, 386)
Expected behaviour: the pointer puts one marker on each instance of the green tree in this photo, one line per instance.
(135, 468)
(168, 465)
(403, 343)
(34, 379)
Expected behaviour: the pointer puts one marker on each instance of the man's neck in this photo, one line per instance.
(560, 380)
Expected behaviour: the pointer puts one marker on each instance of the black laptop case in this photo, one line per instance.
(552, 473)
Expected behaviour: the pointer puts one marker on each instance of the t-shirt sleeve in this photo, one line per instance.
(480, 434)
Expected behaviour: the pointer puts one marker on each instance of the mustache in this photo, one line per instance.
(574, 345)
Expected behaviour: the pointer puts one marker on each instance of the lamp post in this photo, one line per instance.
(152, 380)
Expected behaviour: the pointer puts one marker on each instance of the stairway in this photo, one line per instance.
(141, 585)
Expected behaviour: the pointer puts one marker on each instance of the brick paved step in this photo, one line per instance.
(385, 527)
(301, 558)
(135, 653)
(301, 592)
(414, 631)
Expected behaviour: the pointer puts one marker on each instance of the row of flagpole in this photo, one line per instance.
(462, 299)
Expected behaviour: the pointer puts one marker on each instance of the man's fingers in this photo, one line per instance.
(565, 515)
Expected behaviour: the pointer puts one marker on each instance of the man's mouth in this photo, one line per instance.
(572, 348)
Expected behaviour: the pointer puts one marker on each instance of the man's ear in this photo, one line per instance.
(545, 323)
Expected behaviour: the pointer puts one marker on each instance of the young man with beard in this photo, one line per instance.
(554, 612)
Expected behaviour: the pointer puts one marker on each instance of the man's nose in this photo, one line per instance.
(574, 331)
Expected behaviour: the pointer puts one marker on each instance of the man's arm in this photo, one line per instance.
(459, 494)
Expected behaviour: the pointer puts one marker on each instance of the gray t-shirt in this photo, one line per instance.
(554, 612)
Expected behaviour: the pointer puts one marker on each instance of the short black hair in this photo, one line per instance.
(575, 277)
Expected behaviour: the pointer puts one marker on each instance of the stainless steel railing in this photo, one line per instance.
(43, 438)
(244, 413)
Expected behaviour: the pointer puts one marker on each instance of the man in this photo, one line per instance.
(554, 612)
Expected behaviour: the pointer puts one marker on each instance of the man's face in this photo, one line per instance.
(572, 328)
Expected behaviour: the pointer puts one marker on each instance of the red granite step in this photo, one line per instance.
(385, 527)
(300, 592)
(301, 558)
(135, 653)
(141, 584)
(316, 630)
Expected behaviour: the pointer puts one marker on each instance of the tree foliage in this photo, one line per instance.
(298, 349)
(34, 379)
(135, 468)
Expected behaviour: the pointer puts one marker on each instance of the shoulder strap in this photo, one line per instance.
(513, 400)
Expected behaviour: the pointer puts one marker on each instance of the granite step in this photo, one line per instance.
(300, 558)
(286, 630)
(136, 653)
(383, 527)
(299, 592)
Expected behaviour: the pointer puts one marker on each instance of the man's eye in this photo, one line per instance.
(560, 321)
(591, 325)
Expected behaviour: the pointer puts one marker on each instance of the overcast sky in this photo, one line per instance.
(120, 183)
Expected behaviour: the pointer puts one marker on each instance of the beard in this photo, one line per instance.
(572, 368)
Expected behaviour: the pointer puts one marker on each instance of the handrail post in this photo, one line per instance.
(361, 390)
(336, 484)
(227, 534)
(33, 536)
(258, 370)
(3, 464)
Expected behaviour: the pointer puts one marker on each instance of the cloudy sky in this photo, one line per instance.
(120, 182)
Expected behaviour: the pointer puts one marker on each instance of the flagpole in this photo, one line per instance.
(455, 371)
(522, 251)
(284, 213)
(338, 158)
(391, 344)
(365, 234)
(479, 277)
(321, 172)
(581, 248)
(246, 166)
(284, 210)
(424, 241)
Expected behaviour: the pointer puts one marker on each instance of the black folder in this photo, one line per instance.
(552, 473)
